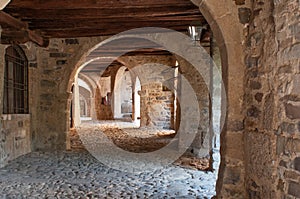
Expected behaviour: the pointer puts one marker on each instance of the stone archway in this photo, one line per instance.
(223, 18)
(122, 93)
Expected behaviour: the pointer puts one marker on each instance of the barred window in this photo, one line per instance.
(15, 93)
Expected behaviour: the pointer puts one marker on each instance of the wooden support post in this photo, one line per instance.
(7, 20)
(17, 31)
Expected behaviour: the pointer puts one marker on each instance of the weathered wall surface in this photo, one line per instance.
(202, 142)
(157, 107)
(92, 85)
(15, 132)
(272, 101)
(104, 97)
(228, 20)
(157, 104)
(85, 110)
(53, 90)
(15, 137)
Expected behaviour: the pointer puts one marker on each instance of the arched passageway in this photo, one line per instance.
(163, 86)
(122, 94)
(229, 40)
(258, 50)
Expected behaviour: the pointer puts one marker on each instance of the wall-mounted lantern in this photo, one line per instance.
(195, 31)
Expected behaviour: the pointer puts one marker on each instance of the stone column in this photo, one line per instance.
(93, 109)
(76, 104)
(201, 144)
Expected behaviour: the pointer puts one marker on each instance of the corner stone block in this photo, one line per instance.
(297, 165)
(245, 15)
(294, 189)
(292, 111)
(232, 175)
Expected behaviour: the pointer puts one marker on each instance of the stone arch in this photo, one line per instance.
(137, 100)
(223, 19)
(117, 101)
(89, 81)
(86, 95)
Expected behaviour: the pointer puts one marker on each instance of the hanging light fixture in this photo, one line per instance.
(195, 31)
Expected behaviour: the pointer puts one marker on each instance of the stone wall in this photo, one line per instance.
(15, 137)
(157, 97)
(92, 88)
(228, 20)
(15, 132)
(272, 101)
(56, 70)
(85, 110)
(104, 95)
(122, 94)
(202, 143)
(157, 107)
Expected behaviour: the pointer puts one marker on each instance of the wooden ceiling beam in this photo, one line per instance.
(119, 19)
(14, 37)
(36, 38)
(32, 13)
(22, 36)
(74, 4)
(8, 21)
(109, 24)
(20, 29)
(106, 31)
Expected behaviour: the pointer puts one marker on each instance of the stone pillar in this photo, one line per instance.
(157, 106)
(93, 109)
(157, 100)
(136, 100)
(2, 65)
(202, 142)
(76, 104)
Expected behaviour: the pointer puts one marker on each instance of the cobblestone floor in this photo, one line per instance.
(77, 174)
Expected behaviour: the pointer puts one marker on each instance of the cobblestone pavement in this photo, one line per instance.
(77, 174)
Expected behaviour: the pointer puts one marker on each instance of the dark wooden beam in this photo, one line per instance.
(91, 32)
(14, 37)
(75, 4)
(160, 11)
(19, 31)
(36, 38)
(113, 24)
(8, 21)
(22, 36)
